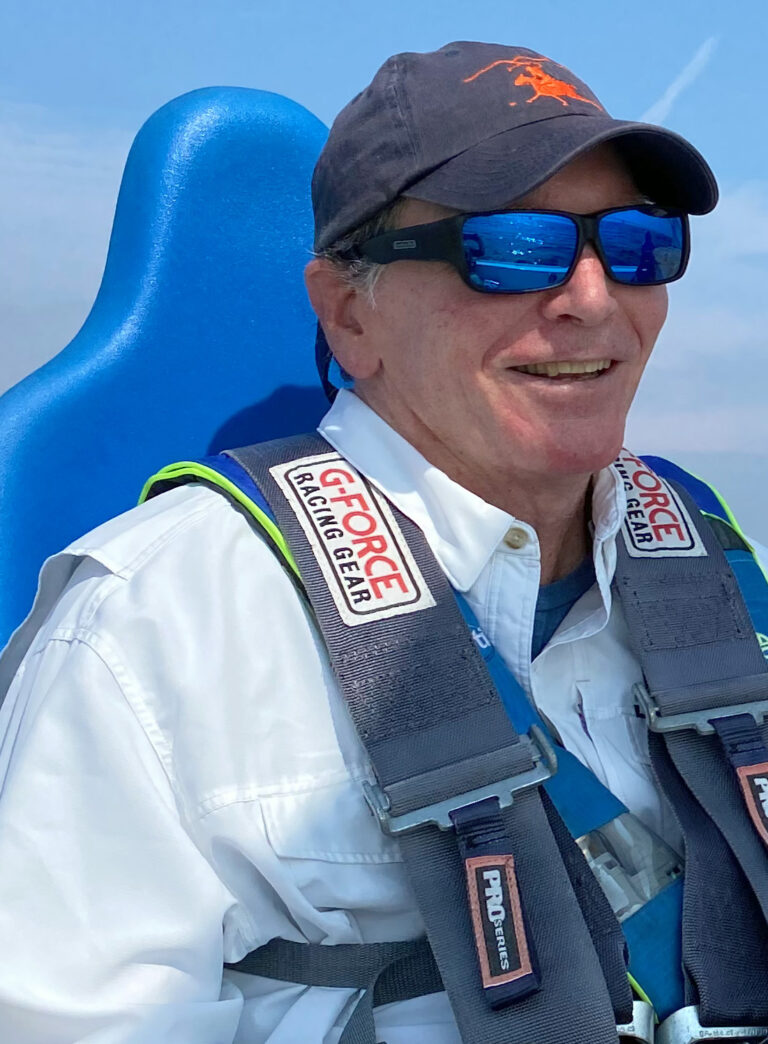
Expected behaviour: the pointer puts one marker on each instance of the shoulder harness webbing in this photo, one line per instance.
(419, 637)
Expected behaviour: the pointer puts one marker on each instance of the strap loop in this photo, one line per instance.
(747, 753)
(505, 952)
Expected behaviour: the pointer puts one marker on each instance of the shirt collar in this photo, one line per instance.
(462, 530)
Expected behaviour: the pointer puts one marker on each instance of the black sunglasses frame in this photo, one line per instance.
(442, 241)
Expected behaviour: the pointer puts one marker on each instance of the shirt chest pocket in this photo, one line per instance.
(333, 852)
(331, 823)
(618, 733)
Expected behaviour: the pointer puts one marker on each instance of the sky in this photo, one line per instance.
(77, 80)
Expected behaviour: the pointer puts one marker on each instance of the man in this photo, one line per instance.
(181, 781)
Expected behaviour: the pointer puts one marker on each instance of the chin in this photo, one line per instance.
(583, 457)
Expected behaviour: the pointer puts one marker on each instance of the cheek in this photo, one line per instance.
(407, 302)
(469, 325)
(649, 315)
(430, 325)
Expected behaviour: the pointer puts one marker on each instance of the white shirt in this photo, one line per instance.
(180, 781)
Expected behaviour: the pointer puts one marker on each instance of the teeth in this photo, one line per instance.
(554, 369)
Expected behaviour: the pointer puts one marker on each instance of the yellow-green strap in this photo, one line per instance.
(185, 470)
(640, 993)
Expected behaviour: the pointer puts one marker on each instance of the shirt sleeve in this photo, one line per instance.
(110, 917)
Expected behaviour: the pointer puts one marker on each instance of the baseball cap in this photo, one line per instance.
(475, 126)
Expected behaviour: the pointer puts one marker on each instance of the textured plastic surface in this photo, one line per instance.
(200, 338)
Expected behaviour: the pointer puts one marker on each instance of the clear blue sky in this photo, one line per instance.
(77, 79)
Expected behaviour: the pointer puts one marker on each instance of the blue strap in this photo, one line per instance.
(578, 795)
(705, 498)
(748, 573)
(754, 590)
(654, 936)
(239, 477)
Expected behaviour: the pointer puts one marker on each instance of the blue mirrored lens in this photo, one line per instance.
(516, 251)
(640, 247)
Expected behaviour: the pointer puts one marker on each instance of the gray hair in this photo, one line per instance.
(360, 273)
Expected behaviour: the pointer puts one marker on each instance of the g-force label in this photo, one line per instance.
(657, 523)
(359, 547)
(754, 787)
(494, 901)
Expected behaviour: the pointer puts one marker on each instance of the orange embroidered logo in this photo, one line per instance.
(544, 85)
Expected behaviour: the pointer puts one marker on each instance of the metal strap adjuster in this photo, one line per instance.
(438, 814)
(701, 720)
(683, 1027)
(642, 1027)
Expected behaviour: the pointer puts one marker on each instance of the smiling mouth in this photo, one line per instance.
(588, 370)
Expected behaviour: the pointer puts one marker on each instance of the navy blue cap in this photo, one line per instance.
(475, 126)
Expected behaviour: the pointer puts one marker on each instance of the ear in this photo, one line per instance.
(344, 315)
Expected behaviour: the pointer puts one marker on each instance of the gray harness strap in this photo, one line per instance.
(693, 636)
(385, 972)
(448, 754)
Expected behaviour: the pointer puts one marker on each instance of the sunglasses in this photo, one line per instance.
(520, 251)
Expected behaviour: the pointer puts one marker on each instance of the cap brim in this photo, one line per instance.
(502, 169)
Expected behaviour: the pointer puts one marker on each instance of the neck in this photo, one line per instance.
(563, 535)
(558, 510)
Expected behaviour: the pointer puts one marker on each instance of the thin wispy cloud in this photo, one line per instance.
(57, 197)
(661, 108)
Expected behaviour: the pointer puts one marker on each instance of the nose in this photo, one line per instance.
(588, 296)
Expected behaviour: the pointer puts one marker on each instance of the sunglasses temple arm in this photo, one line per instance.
(440, 241)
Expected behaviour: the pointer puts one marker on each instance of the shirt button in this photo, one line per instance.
(516, 538)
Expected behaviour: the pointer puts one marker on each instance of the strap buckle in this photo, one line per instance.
(642, 1027)
(438, 814)
(700, 720)
(683, 1027)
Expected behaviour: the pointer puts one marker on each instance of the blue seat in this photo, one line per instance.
(200, 338)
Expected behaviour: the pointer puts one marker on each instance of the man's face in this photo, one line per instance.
(446, 363)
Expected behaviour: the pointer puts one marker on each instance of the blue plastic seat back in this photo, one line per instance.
(200, 338)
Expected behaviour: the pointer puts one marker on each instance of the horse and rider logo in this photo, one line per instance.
(544, 85)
